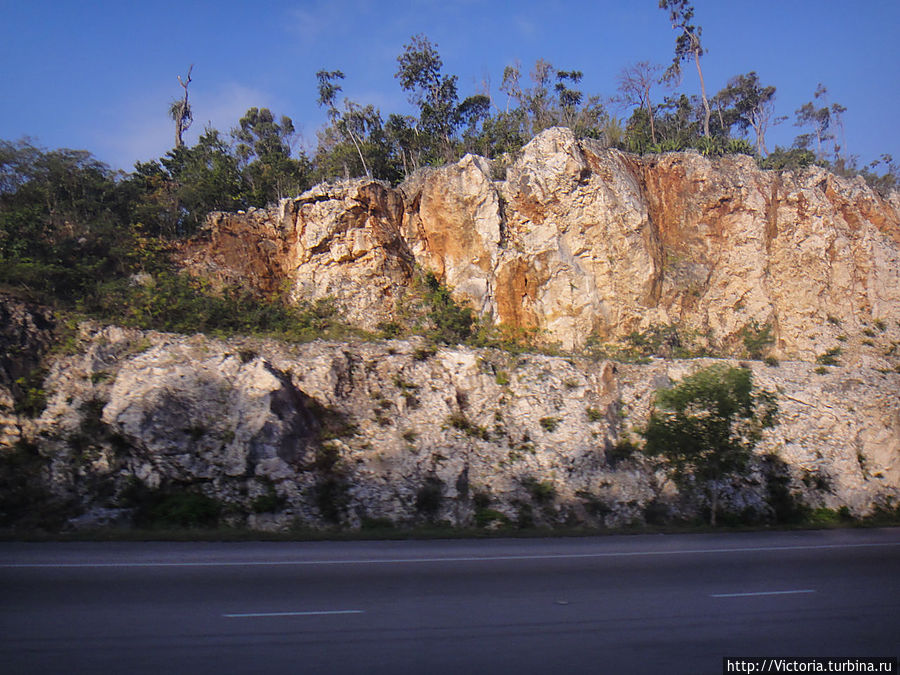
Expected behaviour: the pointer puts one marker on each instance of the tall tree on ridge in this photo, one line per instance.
(808, 115)
(180, 110)
(328, 91)
(435, 94)
(687, 45)
(753, 105)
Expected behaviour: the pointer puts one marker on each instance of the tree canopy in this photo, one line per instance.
(704, 428)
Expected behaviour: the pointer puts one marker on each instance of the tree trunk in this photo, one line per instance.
(714, 506)
(703, 93)
(179, 128)
(359, 152)
(652, 126)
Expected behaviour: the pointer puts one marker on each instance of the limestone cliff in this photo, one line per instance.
(581, 242)
(584, 242)
(279, 436)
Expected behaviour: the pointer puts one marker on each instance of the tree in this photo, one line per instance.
(809, 115)
(180, 110)
(687, 45)
(264, 155)
(635, 84)
(753, 106)
(435, 94)
(328, 91)
(705, 427)
(172, 196)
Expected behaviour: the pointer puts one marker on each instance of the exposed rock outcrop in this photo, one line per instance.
(578, 241)
(335, 241)
(585, 242)
(355, 433)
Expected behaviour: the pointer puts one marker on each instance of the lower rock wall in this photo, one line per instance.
(353, 434)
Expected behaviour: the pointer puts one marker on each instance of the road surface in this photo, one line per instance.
(621, 604)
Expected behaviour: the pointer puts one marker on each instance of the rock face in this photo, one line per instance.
(398, 432)
(583, 242)
(335, 241)
(580, 243)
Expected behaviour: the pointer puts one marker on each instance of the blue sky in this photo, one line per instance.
(99, 75)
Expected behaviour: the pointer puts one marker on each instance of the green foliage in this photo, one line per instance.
(29, 396)
(430, 496)
(541, 491)
(512, 339)
(705, 427)
(170, 507)
(595, 415)
(670, 341)
(757, 339)
(264, 154)
(830, 357)
(450, 322)
(550, 423)
(487, 517)
(269, 502)
(171, 197)
(793, 159)
(24, 499)
(332, 495)
(459, 421)
(624, 449)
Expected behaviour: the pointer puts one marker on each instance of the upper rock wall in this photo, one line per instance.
(582, 241)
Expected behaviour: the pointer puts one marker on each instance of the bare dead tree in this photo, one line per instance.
(635, 83)
(180, 110)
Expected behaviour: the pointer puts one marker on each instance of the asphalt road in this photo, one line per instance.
(624, 604)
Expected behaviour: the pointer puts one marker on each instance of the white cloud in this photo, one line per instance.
(316, 20)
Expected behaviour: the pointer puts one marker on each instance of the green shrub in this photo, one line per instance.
(376, 524)
(29, 396)
(171, 507)
(830, 357)
(793, 159)
(459, 421)
(430, 497)
(451, 323)
(623, 450)
(24, 499)
(270, 502)
(757, 339)
(424, 353)
(595, 506)
(595, 415)
(332, 495)
(550, 423)
(542, 492)
(485, 517)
